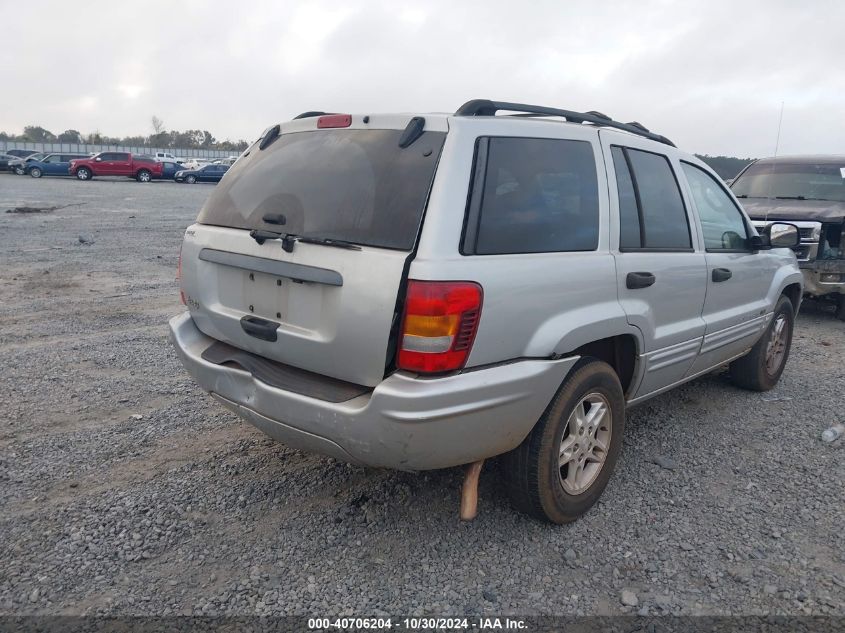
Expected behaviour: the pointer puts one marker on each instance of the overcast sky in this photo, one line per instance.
(710, 75)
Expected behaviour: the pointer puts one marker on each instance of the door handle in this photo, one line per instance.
(721, 274)
(639, 280)
(259, 328)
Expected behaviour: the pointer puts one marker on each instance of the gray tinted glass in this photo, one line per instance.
(629, 219)
(723, 225)
(663, 213)
(352, 185)
(539, 195)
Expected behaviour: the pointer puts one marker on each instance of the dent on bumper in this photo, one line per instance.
(406, 422)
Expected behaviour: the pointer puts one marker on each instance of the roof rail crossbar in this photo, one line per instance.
(485, 107)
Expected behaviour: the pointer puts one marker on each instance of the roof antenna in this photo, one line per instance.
(780, 123)
(772, 174)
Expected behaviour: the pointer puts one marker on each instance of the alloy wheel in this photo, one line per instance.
(585, 443)
(776, 346)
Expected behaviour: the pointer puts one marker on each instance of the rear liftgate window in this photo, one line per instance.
(532, 195)
(359, 186)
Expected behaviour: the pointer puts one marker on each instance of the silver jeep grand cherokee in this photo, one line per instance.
(420, 292)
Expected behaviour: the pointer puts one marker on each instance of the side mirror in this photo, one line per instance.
(778, 235)
(98, 159)
(783, 235)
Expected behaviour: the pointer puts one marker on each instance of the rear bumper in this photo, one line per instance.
(405, 423)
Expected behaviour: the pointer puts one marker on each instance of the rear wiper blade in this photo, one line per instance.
(262, 236)
(289, 239)
(328, 241)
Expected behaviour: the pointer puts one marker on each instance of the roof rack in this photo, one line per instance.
(309, 114)
(485, 107)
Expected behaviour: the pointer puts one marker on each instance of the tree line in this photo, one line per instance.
(160, 137)
(725, 166)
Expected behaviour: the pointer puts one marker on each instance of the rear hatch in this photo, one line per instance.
(328, 308)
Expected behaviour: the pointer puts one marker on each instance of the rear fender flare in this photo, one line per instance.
(582, 326)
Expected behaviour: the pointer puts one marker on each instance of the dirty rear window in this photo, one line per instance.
(352, 185)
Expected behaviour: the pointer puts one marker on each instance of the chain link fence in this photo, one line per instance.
(85, 148)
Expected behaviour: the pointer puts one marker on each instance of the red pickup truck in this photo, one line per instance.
(115, 164)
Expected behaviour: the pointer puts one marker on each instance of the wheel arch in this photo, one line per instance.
(621, 352)
(793, 292)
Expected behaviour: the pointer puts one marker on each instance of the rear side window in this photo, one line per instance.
(629, 213)
(652, 215)
(353, 185)
(532, 195)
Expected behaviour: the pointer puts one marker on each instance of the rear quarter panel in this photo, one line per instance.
(535, 305)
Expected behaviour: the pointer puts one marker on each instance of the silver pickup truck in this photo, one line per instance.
(420, 292)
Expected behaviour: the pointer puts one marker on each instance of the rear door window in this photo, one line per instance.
(532, 195)
(353, 185)
(652, 215)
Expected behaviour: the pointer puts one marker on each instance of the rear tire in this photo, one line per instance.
(761, 368)
(35, 172)
(840, 307)
(562, 467)
(143, 176)
(83, 173)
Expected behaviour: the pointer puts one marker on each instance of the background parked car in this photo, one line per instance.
(5, 159)
(195, 163)
(207, 173)
(20, 153)
(164, 156)
(168, 168)
(142, 168)
(19, 165)
(228, 161)
(51, 165)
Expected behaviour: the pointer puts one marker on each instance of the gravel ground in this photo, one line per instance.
(126, 490)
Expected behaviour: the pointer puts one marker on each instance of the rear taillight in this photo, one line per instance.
(179, 277)
(438, 325)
